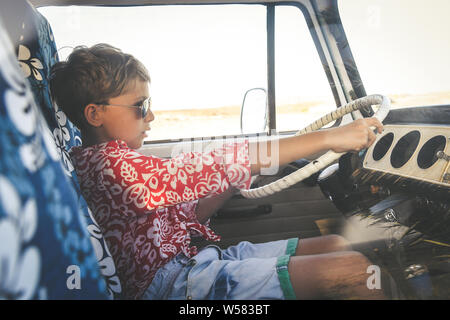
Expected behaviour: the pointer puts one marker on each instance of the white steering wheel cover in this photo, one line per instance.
(329, 157)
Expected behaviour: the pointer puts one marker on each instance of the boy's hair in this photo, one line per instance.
(92, 75)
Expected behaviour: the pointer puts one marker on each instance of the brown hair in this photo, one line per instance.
(92, 75)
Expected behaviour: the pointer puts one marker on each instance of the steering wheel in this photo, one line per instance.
(329, 157)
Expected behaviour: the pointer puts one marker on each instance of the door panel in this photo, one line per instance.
(300, 211)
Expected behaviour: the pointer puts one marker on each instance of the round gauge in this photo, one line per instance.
(382, 146)
(427, 154)
(404, 149)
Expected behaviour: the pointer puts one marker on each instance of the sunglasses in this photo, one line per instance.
(144, 107)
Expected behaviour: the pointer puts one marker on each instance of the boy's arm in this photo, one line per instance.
(354, 136)
(206, 207)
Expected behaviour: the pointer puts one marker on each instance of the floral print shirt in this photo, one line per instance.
(146, 205)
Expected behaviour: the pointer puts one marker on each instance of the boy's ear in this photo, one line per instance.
(93, 115)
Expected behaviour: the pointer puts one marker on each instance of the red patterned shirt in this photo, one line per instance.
(146, 205)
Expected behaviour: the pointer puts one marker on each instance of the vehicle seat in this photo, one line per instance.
(45, 223)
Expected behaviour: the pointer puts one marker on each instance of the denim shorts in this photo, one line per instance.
(246, 271)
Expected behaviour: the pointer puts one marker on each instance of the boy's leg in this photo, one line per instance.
(272, 249)
(336, 243)
(322, 244)
(337, 275)
(306, 246)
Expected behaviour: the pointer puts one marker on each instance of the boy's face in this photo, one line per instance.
(126, 123)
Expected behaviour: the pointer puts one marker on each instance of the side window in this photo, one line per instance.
(302, 91)
(201, 59)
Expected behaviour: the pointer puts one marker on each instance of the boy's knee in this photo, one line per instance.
(356, 263)
(359, 258)
(347, 263)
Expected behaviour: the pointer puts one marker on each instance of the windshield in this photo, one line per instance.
(401, 48)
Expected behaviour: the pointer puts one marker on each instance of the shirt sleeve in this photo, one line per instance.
(186, 212)
(151, 182)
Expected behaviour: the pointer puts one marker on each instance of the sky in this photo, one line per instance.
(399, 46)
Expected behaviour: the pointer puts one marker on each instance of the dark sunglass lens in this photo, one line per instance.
(144, 108)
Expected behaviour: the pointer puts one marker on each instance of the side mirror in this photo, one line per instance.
(254, 111)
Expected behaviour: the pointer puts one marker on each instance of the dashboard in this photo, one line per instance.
(403, 177)
(415, 152)
(399, 188)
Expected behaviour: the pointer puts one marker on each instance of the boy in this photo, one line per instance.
(148, 207)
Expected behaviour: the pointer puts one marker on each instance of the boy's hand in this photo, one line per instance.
(354, 136)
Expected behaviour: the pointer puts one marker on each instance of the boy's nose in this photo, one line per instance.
(150, 116)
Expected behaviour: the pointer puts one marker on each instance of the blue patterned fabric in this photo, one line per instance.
(42, 212)
(36, 50)
(44, 244)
